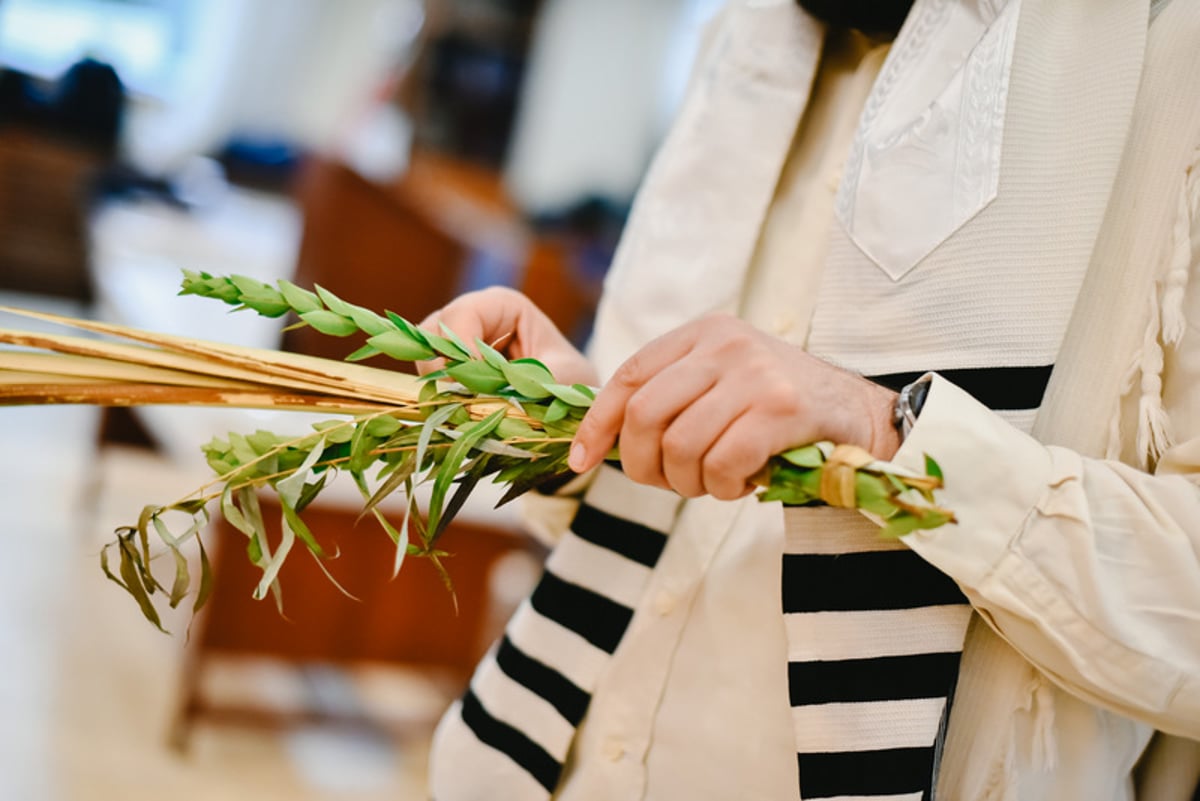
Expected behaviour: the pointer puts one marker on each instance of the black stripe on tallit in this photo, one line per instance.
(881, 678)
(891, 771)
(634, 541)
(998, 388)
(599, 620)
(511, 742)
(543, 681)
(855, 582)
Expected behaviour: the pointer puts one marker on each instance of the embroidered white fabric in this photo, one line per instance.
(931, 132)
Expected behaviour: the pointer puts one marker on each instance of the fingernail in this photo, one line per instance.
(578, 457)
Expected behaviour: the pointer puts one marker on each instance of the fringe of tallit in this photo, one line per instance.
(1040, 704)
(1165, 327)
(1154, 427)
(1174, 323)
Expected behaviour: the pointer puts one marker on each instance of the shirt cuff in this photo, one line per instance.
(994, 476)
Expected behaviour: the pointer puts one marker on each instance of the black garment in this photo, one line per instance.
(876, 17)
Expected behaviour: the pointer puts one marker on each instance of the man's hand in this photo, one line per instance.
(509, 322)
(701, 409)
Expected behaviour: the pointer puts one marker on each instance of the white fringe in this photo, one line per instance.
(1174, 323)
(1154, 427)
(1041, 703)
(1165, 328)
(1115, 443)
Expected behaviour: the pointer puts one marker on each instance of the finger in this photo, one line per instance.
(652, 409)
(471, 317)
(487, 315)
(599, 428)
(694, 432)
(739, 453)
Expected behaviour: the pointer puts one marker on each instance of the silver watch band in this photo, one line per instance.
(908, 406)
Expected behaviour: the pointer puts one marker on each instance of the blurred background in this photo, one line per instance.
(398, 152)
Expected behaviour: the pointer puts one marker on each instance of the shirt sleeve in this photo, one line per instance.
(1089, 568)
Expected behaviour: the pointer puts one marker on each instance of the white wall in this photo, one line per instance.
(604, 79)
(301, 70)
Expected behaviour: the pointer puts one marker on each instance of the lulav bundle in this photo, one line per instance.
(482, 415)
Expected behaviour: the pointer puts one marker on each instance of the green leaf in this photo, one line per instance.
(932, 468)
(368, 321)
(447, 348)
(365, 352)
(899, 525)
(491, 355)
(556, 411)
(248, 285)
(504, 449)
(383, 426)
(570, 395)
(529, 377)
(400, 475)
(531, 476)
(301, 300)
(329, 323)
(511, 428)
(453, 337)
(332, 301)
(793, 486)
(291, 518)
(401, 346)
(407, 328)
(478, 376)
(310, 492)
(807, 456)
(333, 431)
(454, 458)
(873, 494)
(466, 485)
(430, 426)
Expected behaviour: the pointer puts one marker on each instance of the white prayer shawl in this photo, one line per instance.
(1062, 104)
(1087, 126)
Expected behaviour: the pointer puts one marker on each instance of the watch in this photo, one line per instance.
(908, 405)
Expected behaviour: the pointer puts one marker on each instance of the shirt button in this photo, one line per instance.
(664, 603)
(613, 749)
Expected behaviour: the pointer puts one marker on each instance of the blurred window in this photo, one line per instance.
(141, 39)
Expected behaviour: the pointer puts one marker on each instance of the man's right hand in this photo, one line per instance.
(513, 325)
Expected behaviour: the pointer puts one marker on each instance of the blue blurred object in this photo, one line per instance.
(266, 163)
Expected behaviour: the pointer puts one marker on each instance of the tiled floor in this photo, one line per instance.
(87, 688)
